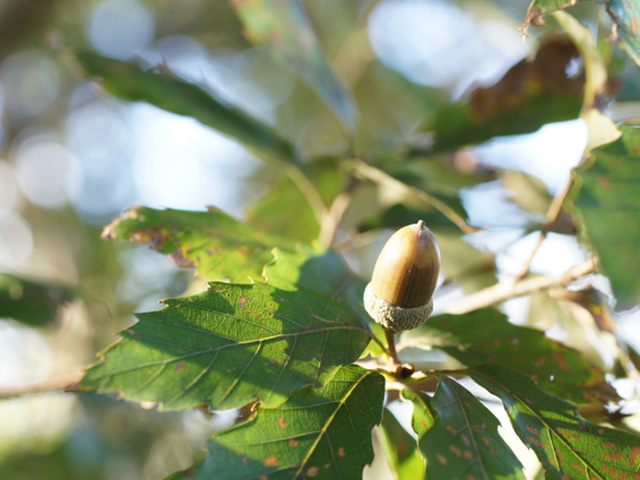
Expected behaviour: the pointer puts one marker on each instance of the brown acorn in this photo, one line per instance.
(404, 278)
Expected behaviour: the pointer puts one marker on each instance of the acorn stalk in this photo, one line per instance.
(404, 279)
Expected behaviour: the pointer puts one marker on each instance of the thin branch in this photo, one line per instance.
(505, 290)
(58, 383)
(552, 216)
(333, 216)
(376, 175)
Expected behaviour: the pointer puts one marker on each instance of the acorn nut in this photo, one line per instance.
(404, 278)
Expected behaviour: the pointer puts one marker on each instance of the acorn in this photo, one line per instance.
(404, 278)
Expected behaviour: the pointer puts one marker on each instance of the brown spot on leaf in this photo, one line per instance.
(565, 477)
(282, 422)
(442, 459)
(466, 440)
(578, 467)
(609, 445)
(533, 430)
(471, 477)
(270, 461)
(452, 430)
(312, 472)
(179, 365)
(486, 441)
(457, 452)
(468, 455)
(341, 452)
(327, 465)
(557, 356)
(293, 443)
(633, 455)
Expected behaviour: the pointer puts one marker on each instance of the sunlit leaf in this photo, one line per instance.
(531, 94)
(406, 460)
(485, 336)
(30, 302)
(217, 245)
(283, 27)
(318, 433)
(463, 441)
(324, 272)
(166, 91)
(229, 346)
(626, 15)
(567, 445)
(607, 194)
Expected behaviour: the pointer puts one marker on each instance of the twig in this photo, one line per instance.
(333, 216)
(552, 216)
(505, 290)
(58, 383)
(378, 176)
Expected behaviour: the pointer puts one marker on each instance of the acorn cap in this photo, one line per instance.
(404, 278)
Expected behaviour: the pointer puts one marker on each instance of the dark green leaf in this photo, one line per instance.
(218, 246)
(30, 302)
(403, 449)
(166, 91)
(283, 27)
(485, 336)
(531, 94)
(626, 15)
(463, 441)
(229, 346)
(607, 193)
(567, 445)
(272, 213)
(322, 434)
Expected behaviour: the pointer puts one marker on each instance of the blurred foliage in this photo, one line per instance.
(346, 147)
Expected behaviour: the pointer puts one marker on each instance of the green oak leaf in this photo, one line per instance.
(167, 91)
(325, 272)
(283, 27)
(567, 445)
(462, 441)
(607, 195)
(218, 246)
(486, 336)
(320, 433)
(228, 346)
(626, 16)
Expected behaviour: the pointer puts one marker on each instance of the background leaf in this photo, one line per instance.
(530, 95)
(567, 445)
(166, 91)
(229, 346)
(30, 302)
(317, 433)
(607, 194)
(267, 214)
(406, 460)
(463, 441)
(218, 246)
(283, 27)
(485, 336)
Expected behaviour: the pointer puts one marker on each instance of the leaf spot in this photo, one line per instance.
(341, 452)
(442, 459)
(456, 451)
(633, 455)
(468, 455)
(466, 440)
(533, 430)
(451, 429)
(243, 302)
(282, 422)
(486, 441)
(312, 472)
(270, 461)
(578, 467)
(293, 443)
(179, 365)
(327, 465)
